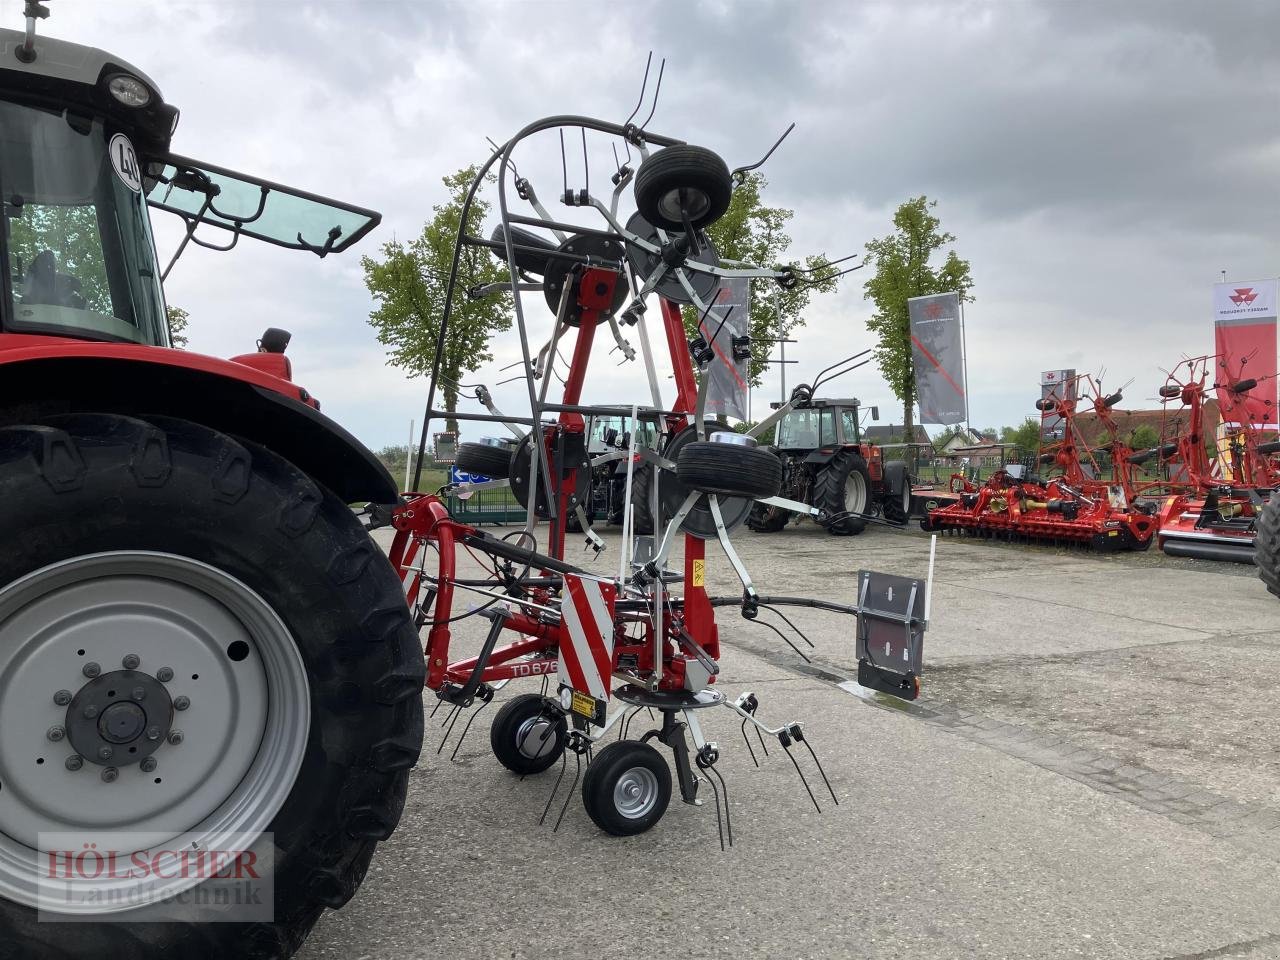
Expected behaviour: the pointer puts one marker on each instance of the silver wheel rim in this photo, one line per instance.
(636, 792)
(906, 499)
(535, 738)
(238, 694)
(855, 493)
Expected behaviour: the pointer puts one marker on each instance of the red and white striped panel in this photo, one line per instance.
(586, 636)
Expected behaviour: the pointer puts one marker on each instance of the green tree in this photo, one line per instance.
(409, 283)
(1143, 437)
(178, 319)
(1025, 437)
(752, 233)
(71, 232)
(903, 270)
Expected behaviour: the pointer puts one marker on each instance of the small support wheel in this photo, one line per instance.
(627, 788)
(528, 734)
(683, 182)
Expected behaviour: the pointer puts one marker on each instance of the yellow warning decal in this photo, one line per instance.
(584, 705)
(699, 573)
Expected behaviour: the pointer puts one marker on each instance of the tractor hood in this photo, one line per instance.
(68, 74)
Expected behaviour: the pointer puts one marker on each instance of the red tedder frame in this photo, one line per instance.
(423, 523)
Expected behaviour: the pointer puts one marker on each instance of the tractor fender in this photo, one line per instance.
(62, 376)
(820, 458)
(895, 476)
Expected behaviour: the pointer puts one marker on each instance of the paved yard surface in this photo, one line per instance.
(1092, 771)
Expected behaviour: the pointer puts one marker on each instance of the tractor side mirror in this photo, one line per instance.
(274, 340)
(875, 414)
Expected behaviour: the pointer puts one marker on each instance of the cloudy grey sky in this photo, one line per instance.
(1099, 162)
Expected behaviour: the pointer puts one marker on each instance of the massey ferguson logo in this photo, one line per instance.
(933, 310)
(1243, 296)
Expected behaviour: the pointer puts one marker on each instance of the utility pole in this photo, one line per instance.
(408, 456)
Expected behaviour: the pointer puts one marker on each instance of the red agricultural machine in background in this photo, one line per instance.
(201, 648)
(1074, 505)
(1212, 504)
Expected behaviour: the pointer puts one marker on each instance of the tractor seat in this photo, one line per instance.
(43, 285)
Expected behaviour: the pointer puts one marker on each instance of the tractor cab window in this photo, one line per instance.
(78, 256)
(827, 428)
(849, 425)
(798, 430)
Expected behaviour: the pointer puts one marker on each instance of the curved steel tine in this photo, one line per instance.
(728, 820)
(577, 775)
(715, 794)
(455, 713)
(467, 729)
(747, 741)
(644, 85)
(818, 764)
(787, 750)
(564, 763)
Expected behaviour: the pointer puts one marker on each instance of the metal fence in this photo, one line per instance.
(497, 506)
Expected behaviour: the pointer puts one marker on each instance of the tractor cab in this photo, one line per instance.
(825, 423)
(84, 150)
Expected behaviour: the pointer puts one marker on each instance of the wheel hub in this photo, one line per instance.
(636, 792)
(119, 718)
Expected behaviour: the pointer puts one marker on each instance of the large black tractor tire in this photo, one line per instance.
(683, 174)
(729, 470)
(843, 486)
(485, 460)
(897, 505)
(642, 500)
(1267, 546)
(766, 518)
(107, 515)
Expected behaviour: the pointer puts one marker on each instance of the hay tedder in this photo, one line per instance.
(1211, 505)
(1076, 504)
(608, 648)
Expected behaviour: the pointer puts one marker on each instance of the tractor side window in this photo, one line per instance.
(849, 424)
(827, 430)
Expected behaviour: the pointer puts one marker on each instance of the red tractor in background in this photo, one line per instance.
(827, 464)
(200, 644)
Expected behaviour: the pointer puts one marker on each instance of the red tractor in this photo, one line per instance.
(827, 464)
(202, 652)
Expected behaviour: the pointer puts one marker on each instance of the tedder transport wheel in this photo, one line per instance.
(627, 788)
(198, 644)
(728, 469)
(528, 733)
(489, 458)
(686, 177)
(1267, 550)
(842, 487)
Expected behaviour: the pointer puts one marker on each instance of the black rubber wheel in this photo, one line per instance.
(627, 788)
(766, 518)
(897, 506)
(1266, 551)
(641, 500)
(672, 492)
(528, 734)
(93, 484)
(530, 261)
(729, 470)
(485, 460)
(694, 177)
(844, 486)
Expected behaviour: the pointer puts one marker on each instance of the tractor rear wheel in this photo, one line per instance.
(201, 645)
(1267, 548)
(843, 488)
(897, 507)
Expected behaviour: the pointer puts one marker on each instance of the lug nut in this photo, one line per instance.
(104, 753)
(90, 712)
(109, 775)
(153, 733)
(73, 762)
(164, 674)
(62, 697)
(181, 703)
(56, 732)
(139, 693)
(91, 670)
(175, 737)
(131, 661)
(148, 764)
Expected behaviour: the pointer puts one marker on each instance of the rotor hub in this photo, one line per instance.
(120, 718)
